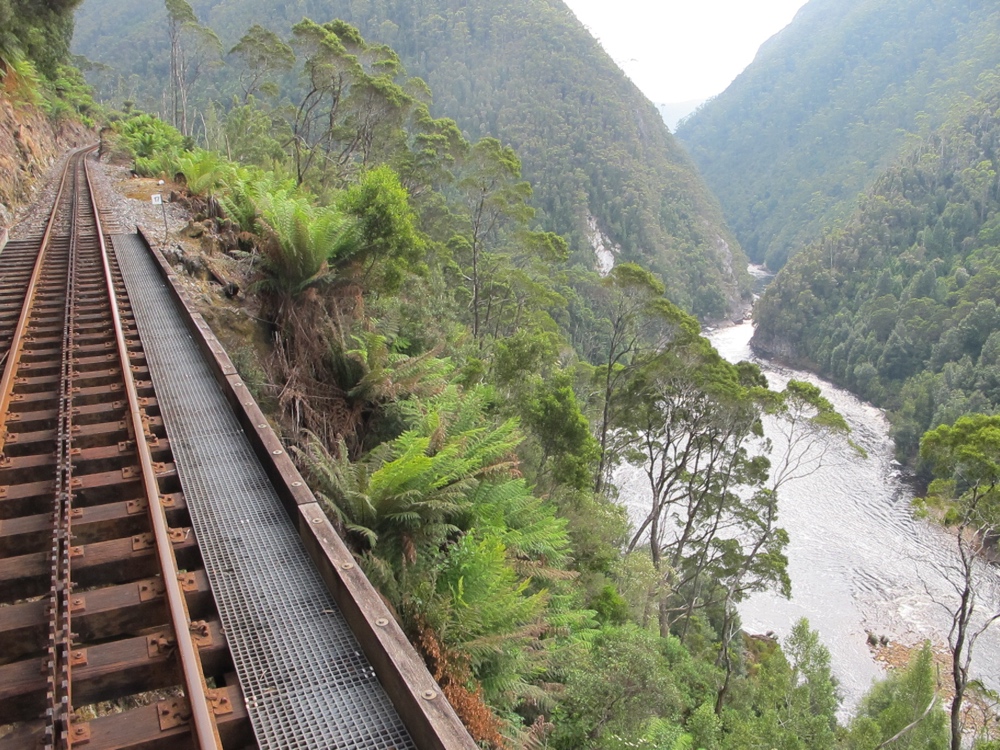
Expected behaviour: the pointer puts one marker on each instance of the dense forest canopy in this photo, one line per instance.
(602, 165)
(37, 30)
(900, 304)
(827, 105)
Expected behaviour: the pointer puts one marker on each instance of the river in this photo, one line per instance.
(858, 560)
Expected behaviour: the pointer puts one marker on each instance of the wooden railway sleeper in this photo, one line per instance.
(79, 331)
(204, 727)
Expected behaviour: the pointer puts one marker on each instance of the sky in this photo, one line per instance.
(682, 50)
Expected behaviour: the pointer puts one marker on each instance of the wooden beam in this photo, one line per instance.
(107, 671)
(96, 564)
(99, 615)
(139, 729)
(21, 536)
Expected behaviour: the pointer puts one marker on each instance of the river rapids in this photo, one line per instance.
(858, 559)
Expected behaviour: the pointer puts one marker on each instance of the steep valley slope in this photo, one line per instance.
(605, 170)
(828, 104)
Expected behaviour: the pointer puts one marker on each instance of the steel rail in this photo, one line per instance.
(205, 729)
(17, 342)
(59, 665)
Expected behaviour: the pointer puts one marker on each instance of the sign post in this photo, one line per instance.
(158, 201)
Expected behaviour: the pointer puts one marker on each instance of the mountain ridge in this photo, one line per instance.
(900, 304)
(593, 147)
(826, 104)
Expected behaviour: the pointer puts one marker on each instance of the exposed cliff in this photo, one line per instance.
(29, 143)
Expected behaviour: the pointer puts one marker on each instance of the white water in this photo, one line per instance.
(857, 558)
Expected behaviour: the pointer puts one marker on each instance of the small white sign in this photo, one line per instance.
(157, 199)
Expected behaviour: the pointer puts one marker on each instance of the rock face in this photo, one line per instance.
(737, 304)
(777, 348)
(29, 143)
(607, 252)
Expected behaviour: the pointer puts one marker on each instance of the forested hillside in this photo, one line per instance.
(827, 105)
(458, 391)
(36, 31)
(603, 166)
(901, 304)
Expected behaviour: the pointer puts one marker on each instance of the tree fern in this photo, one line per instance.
(305, 239)
(491, 618)
(163, 164)
(536, 540)
(395, 503)
(391, 376)
(244, 189)
(204, 171)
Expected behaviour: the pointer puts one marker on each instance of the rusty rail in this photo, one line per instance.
(194, 680)
(59, 664)
(97, 645)
(10, 363)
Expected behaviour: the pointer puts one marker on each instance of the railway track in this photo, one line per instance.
(109, 634)
(167, 580)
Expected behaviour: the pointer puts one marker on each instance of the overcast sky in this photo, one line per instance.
(678, 50)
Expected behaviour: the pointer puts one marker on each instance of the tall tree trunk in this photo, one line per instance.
(725, 656)
(174, 101)
(662, 594)
(956, 718)
(959, 671)
(605, 416)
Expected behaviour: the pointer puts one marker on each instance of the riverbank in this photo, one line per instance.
(858, 558)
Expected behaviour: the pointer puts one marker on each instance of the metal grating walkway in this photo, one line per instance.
(306, 682)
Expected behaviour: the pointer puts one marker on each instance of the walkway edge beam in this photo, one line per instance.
(426, 713)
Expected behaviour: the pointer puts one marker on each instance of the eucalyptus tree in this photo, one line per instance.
(496, 199)
(262, 54)
(693, 423)
(354, 105)
(965, 457)
(193, 49)
(690, 420)
(179, 15)
(809, 426)
(639, 323)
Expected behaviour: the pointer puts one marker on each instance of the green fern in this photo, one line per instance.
(535, 538)
(22, 83)
(390, 376)
(486, 613)
(147, 136)
(204, 171)
(243, 188)
(163, 164)
(305, 238)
